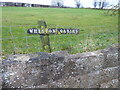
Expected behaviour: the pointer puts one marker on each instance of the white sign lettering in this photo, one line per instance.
(53, 31)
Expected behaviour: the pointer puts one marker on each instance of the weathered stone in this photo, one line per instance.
(91, 80)
(111, 84)
(61, 70)
(18, 57)
(1, 74)
(96, 78)
(60, 53)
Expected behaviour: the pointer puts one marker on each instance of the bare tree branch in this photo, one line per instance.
(78, 3)
(58, 3)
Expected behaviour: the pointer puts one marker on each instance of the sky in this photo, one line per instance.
(70, 3)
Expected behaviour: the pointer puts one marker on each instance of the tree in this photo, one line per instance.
(58, 3)
(78, 3)
(95, 3)
(102, 4)
(113, 10)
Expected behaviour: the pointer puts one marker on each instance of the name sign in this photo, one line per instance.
(53, 31)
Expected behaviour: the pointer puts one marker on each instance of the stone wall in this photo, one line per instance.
(98, 69)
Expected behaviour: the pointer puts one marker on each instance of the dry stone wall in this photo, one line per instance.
(98, 69)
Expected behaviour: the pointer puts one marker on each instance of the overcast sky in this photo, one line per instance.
(85, 3)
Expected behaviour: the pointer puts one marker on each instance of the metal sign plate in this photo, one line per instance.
(53, 31)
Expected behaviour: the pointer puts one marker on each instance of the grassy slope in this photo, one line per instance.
(56, 16)
(91, 37)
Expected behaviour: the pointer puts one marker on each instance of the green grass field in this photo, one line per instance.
(97, 31)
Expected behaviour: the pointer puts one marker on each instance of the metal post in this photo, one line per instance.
(44, 37)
